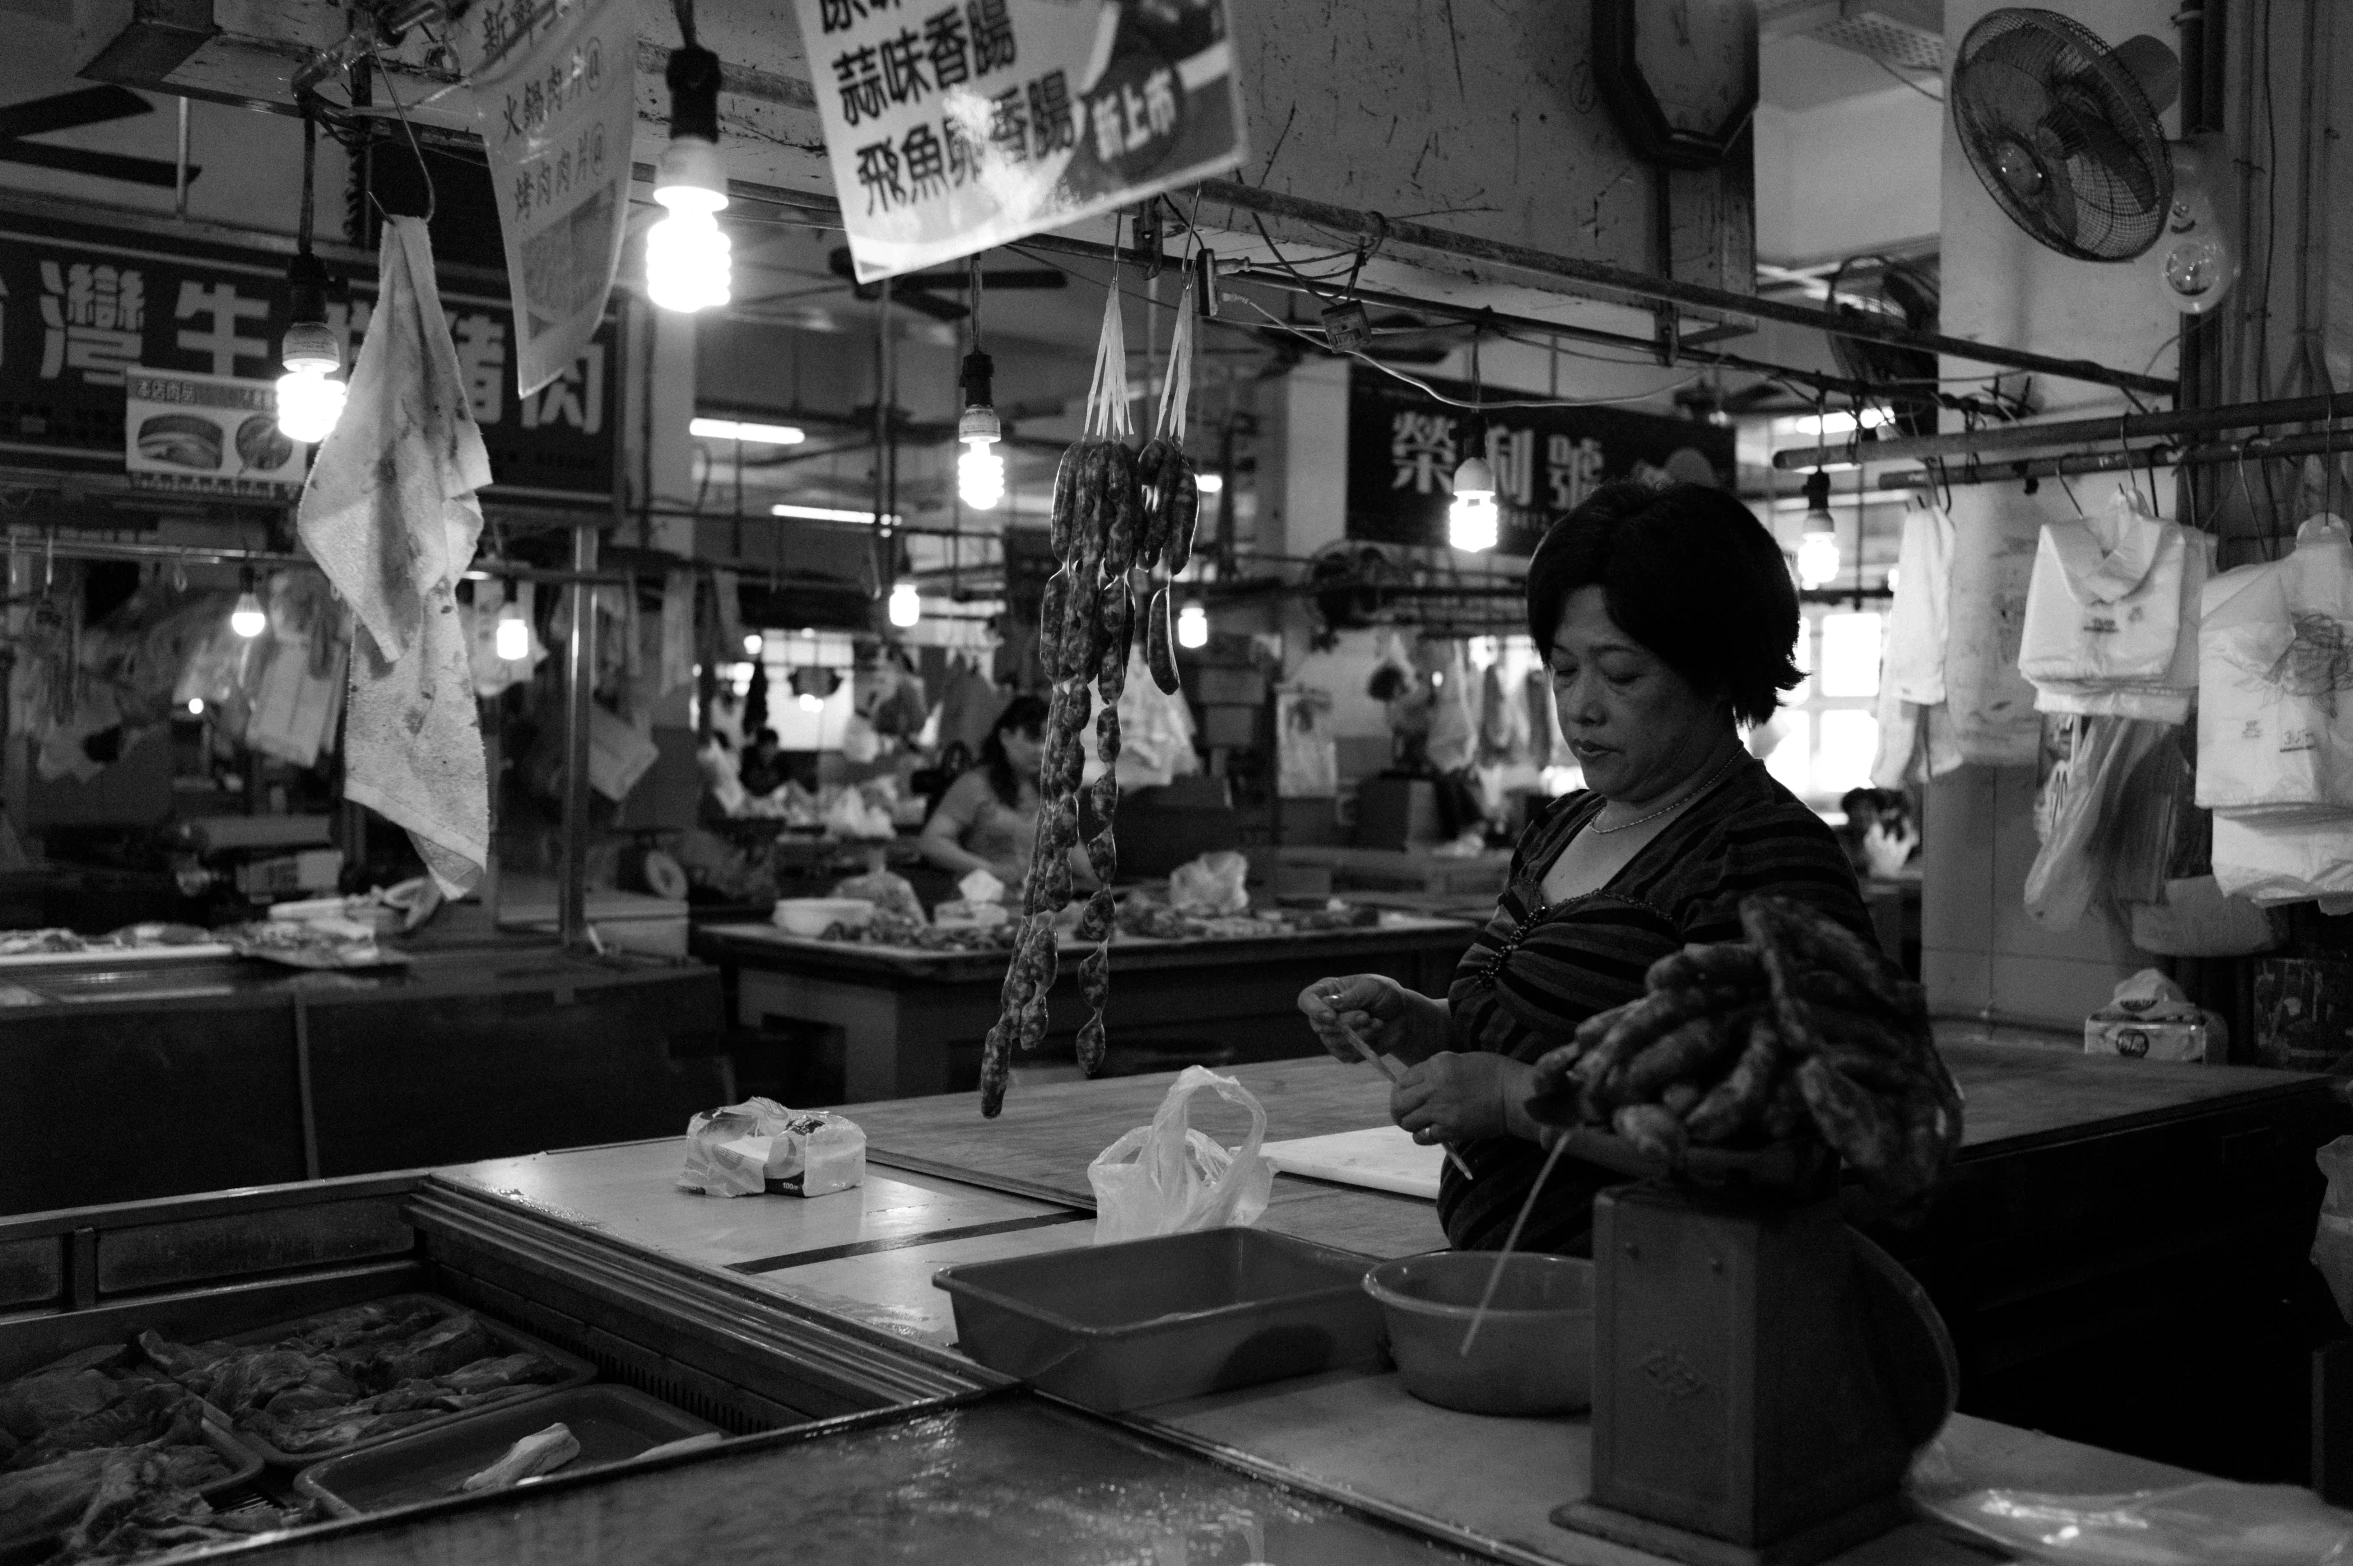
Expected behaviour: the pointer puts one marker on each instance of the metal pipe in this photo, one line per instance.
(579, 686)
(1645, 288)
(2078, 463)
(2079, 432)
(180, 168)
(1275, 277)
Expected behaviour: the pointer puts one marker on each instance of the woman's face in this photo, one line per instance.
(1024, 749)
(1637, 727)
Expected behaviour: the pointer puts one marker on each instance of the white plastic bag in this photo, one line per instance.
(1211, 886)
(738, 1150)
(2202, 1524)
(2332, 1238)
(1167, 1178)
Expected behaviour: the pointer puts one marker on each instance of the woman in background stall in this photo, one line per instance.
(988, 818)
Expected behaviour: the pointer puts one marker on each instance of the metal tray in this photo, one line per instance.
(1122, 1326)
(513, 1340)
(612, 1425)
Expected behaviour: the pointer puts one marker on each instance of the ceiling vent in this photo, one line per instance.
(1908, 34)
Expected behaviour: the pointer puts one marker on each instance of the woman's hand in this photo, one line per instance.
(1453, 1095)
(1377, 1009)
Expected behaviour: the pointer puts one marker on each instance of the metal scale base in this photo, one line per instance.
(1762, 1376)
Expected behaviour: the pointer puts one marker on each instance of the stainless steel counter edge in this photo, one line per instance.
(818, 1343)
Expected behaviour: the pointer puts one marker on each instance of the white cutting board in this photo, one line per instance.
(1379, 1158)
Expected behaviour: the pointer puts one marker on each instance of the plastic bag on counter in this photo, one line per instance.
(1167, 1178)
(2332, 1238)
(889, 892)
(1211, 885)
(2201, 1524)
(745, 1149)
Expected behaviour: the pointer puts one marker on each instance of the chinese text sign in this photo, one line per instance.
(956, 125)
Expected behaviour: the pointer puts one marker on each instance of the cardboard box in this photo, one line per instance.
(2137, 1039)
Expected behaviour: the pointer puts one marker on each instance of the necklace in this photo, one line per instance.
(1705, 784)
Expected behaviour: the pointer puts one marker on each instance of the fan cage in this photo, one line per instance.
(2041, 103)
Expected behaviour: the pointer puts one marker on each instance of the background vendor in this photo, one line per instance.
(988, 818)
(1668, 619)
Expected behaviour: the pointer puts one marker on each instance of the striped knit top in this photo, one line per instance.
(1538, 970)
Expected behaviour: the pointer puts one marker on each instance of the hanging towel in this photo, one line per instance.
(1916, 619)
(389, 513)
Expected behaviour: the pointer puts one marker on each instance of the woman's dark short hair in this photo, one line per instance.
(1024, 714)
(1687, 571)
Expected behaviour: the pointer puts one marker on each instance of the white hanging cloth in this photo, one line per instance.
(390, 514)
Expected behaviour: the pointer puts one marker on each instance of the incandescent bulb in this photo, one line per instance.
(1192, 626)
(1471, 519)
(812, 702)
(980, 475)
(246, 619)
(309, 403)
(685, 252)
(195, 706)
(1817, 545)
(513, 641)
(1817, 559)
(751, 644)
(906, 606)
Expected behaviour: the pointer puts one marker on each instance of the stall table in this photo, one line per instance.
(911, 1022)
(141, 1075)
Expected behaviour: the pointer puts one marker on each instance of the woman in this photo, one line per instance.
(1667, 618)
(988, 818)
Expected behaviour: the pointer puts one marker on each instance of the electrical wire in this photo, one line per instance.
(1932, 97)
(1427, 390)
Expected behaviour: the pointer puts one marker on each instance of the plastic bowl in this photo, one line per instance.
(1534, 1352)
(813, 915)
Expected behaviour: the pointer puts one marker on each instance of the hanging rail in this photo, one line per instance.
(2114, 460)
(197, 554)
(2112, 431)
(1643, 287)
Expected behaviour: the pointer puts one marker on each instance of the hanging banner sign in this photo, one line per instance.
(207, 435)
(101, 327)
(952, 128)
(555, 101)
(1403, 448)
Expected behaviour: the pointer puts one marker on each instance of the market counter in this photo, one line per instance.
(911, 1022)
(154, 1078)
(858, 1436)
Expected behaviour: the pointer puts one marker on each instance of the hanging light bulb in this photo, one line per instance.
(812, 702)
(980, 472)
(1471, 520)
(1817, 546)
(686, 253)
(247, 619)
(751, 644)
(309, 399)
(513, 639)
(906, 605)
(1192, 627)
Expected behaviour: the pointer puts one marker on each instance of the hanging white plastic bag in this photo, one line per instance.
(1167, 1178)
(740, 1149)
